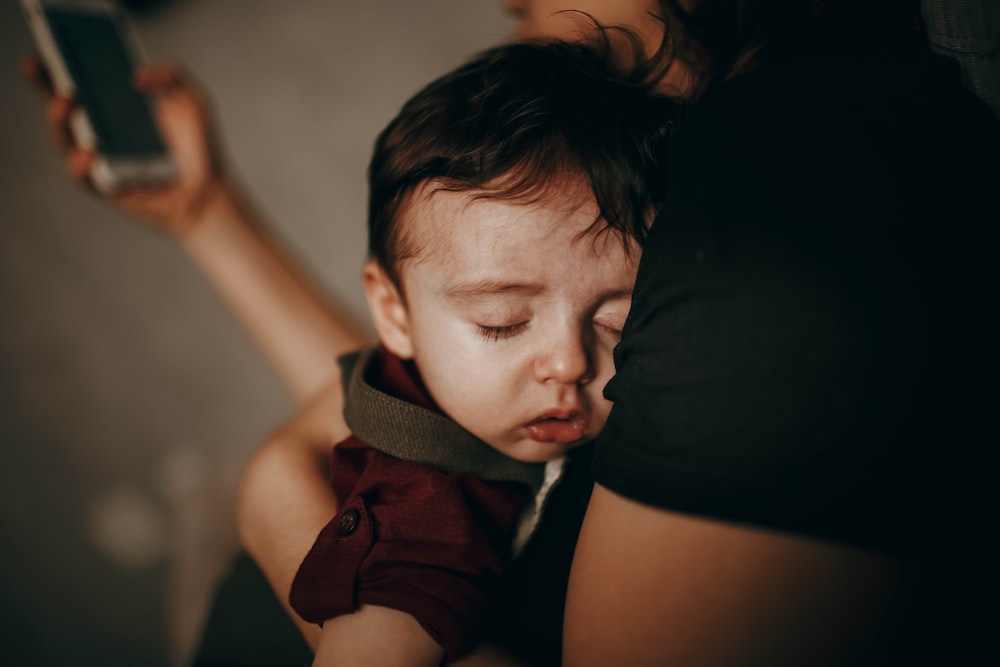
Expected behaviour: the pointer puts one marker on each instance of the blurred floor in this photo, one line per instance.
(129, 399)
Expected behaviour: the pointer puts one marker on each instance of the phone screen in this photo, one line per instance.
(100, 66)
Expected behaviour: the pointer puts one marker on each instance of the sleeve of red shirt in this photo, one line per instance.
(410, 538)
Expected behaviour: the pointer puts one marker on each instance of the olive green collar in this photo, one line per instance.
(412, 433)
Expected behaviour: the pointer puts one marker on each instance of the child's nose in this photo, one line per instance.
(567, 361)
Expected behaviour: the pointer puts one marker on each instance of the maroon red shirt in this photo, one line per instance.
(429, 539)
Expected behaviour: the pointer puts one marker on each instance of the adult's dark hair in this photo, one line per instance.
(510, 124)
(719, 39)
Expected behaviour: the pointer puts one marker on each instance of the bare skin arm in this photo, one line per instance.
(376, 636)
(653, 587)
(296, 326)
(285, 498)
(382, 636)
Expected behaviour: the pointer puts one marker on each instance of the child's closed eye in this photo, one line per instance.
(494, 333)
(610, 327)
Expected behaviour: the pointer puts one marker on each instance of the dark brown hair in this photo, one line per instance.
(722, 38)
(511, 123)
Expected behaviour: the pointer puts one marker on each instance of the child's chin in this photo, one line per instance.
(532, 451)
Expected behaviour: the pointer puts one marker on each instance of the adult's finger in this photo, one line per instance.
(78, 163)
(159, 78)
(168, 79)
(57, 113)
(153, 205)
(34, 71)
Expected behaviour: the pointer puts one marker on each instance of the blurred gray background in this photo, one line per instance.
(129, 398)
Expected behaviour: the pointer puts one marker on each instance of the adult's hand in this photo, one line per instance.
(184, 117)
(297, 326)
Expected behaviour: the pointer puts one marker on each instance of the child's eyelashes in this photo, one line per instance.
(609, 329)
(491, 333)
(608, 333)
(611, 321)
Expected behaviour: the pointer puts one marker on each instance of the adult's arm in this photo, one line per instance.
(655, 587)
(296, 326)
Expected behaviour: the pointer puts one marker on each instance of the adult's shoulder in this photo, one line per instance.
(824, 109)
(823, 149)
(866, 82)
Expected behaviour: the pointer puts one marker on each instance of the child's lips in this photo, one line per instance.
(562, 427)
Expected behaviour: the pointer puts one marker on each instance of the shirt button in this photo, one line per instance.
(348, 522)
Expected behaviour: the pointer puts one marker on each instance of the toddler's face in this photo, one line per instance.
(511, 314)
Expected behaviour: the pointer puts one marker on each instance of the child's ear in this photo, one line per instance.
(392, 321)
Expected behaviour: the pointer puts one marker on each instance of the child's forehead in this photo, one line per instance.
(446, 209)
(475, 232)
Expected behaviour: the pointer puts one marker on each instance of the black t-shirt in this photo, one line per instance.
(811, 342)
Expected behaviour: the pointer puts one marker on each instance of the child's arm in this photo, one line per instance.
(286, 499)
(297, 328)
(382, 636)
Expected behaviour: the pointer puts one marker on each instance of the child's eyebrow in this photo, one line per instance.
(486, 288)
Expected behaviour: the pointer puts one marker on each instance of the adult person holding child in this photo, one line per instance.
(803, 340)
(800, 394)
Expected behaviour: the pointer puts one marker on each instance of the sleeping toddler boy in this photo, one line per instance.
(507, 201)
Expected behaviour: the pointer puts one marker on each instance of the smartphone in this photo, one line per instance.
(90, 49)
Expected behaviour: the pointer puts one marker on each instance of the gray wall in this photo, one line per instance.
(129, 399)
